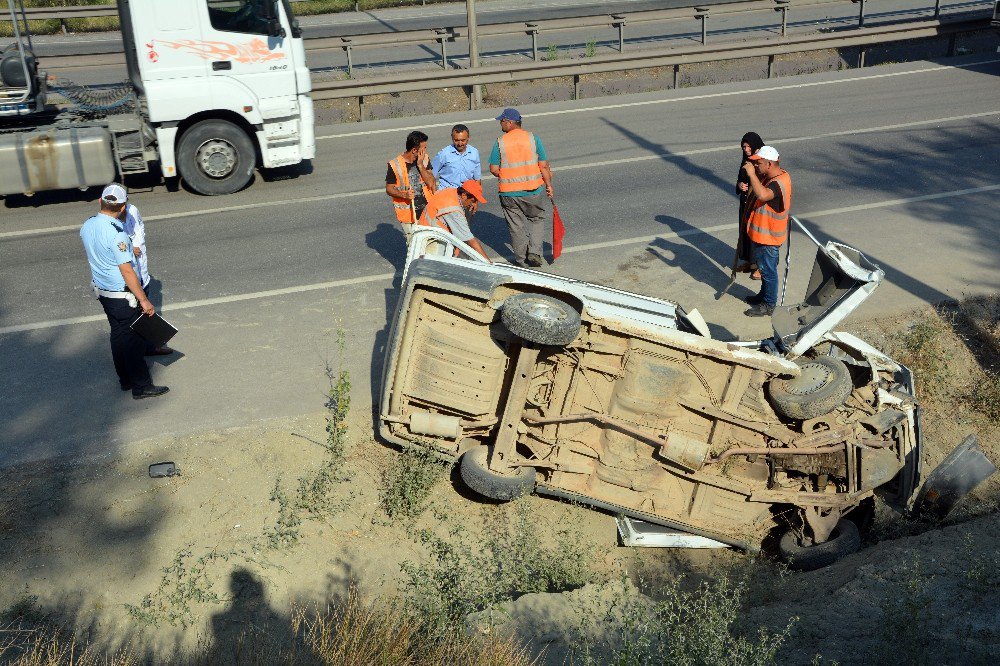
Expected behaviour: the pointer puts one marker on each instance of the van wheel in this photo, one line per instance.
(823, 385)
(489, 484)
(216, 157)
(844, 540)
(540, 319)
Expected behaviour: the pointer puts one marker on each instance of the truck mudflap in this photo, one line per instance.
(957, 475)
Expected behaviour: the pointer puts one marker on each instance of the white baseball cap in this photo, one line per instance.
(114, 193)
(765, 153)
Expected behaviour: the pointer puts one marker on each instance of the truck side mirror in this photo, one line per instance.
(274, 28)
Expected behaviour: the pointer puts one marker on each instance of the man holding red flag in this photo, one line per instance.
(521, 165)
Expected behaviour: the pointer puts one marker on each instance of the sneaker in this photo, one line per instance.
(534, 261)
(760, 310)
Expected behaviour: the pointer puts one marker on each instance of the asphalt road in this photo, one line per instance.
(901, 161)
(376, 61)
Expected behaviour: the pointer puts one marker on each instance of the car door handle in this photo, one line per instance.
(221, 64)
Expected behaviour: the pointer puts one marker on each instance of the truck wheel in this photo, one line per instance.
(216, 157)
(844, 540)
(823, 385)
(540, 319)
(489, 484)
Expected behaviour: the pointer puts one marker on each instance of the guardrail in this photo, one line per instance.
(770, 48)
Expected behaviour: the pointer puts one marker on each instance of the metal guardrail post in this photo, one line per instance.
(442, 37)
(576, 86)
(770, 66)
(861, 57)
(783, 8)
(937, 8)
(702, 13)
(362, 111)
(677, 75)
(861, 12)
(350, 61)
(533, 31)
(618, 21)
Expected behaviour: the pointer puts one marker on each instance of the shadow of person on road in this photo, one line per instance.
(491, 230)
(390, 242)
(249, 620)
(699, 254)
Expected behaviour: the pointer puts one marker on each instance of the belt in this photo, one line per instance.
(112, 294)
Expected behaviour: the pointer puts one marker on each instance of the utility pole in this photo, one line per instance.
(476, 99)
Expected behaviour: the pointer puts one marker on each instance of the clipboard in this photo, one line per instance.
(155, 330)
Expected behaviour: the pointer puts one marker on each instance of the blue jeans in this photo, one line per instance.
(766, 258)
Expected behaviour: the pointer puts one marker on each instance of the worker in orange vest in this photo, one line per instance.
(409, 181)
(767, 224)
(447, 208)
(521, 165)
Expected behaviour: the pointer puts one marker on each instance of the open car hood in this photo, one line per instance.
(842, 279)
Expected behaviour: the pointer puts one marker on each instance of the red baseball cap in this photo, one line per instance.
(475, 188)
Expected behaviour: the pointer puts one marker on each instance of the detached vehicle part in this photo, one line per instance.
(540, 383)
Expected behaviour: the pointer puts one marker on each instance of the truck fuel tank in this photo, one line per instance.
(55, 159)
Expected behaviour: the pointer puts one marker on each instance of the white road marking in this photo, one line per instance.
(567, 167)
(366, 279)
(688, 98)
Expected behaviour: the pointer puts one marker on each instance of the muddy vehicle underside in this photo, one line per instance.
(623, 402)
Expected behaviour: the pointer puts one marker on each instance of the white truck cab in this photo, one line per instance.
(220, 88)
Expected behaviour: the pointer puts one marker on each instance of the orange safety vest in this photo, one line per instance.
(765, 225)
(519, 170)
(441, 203)
(402, 206)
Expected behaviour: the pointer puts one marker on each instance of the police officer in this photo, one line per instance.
(110, 255)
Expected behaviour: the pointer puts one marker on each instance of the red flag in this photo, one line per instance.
(558, 233)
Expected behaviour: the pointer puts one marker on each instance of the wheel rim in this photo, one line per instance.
(217, 158)
(545, 312)
(814, 377)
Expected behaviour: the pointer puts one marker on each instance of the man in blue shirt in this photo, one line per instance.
(110, 255)
(457, 163)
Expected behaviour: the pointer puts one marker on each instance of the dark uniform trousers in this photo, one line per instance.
(127, 346)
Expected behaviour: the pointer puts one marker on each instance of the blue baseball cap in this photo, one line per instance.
(510, 114)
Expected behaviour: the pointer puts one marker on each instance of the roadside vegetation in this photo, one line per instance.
(104, 24)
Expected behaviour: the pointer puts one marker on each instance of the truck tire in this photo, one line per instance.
(823, 385)
(216, 157)
(844, 540)
(540, 319)
(498, 487)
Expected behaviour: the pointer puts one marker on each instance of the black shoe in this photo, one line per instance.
(760, 310)
(125, 387)
(534, 261)
(149, 392)
(756, 299)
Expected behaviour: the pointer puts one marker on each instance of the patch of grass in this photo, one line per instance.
(407, 483)
(674, 626)
(591, 49)
(184, 582)
(465, 574)
(551, 52)
(984, 397)
(55, 648)
(923, 347)
(906, 617)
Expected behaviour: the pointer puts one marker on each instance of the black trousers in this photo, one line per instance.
(127, 347)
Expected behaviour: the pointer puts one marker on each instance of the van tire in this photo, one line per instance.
(541, 319)
(216, 157)
(498, 487)
(844, 540)
(823, 386)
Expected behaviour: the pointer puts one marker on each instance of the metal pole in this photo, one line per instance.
(702, 13)
(576, 86)
(677, 75)
(350, 61)
(362, 111)
(783, 8)
(770, 66)
(443, 38)
(533, 31)
(470, 11)
(619, 22)
(861, 58)
(861, 13)
(937, 8)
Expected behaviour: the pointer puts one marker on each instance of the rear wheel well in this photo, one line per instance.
(219, 114)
